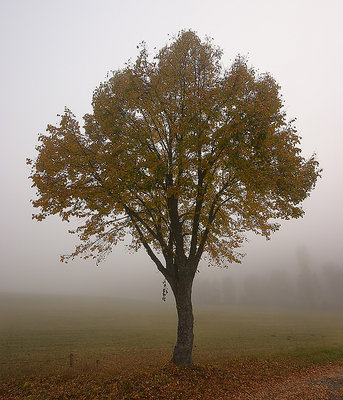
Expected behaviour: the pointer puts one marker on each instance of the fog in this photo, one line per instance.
(305, 287)
(54, 54)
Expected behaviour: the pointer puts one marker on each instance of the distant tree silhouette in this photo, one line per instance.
(308, 287)
(332, 277)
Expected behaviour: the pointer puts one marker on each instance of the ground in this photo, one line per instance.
(121, 351)
(249, 379)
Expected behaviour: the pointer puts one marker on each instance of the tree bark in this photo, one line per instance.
(182, 355)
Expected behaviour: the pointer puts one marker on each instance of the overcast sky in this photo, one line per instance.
(54, 54)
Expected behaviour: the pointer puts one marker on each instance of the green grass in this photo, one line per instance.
(262, 332)
(38, 333)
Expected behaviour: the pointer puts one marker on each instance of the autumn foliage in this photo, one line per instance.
(183, 155)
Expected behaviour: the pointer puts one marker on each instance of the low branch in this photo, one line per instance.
(148, 249)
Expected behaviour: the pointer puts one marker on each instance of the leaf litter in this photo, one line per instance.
(249, 379)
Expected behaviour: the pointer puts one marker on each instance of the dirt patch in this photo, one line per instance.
(315, 383)
(334, 385)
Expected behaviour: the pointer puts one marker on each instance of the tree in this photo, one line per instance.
(183, 155)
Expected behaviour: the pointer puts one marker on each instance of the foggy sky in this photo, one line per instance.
(55, 53)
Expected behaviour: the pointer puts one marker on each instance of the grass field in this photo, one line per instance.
(38, 333)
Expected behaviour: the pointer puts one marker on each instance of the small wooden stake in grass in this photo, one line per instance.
(97, 363)
(71, 360)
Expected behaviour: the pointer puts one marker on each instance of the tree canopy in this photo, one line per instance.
(181, 153)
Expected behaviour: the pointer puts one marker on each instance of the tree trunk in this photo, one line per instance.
(182, 355)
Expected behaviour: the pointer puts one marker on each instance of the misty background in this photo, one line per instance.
(55, 53)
